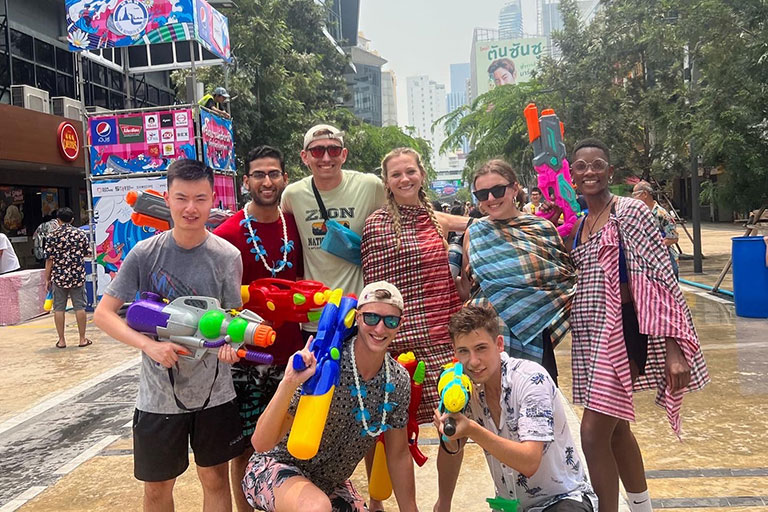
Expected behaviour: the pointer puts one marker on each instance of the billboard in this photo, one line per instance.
(507, 61)
(212, 29)
(218, 142)
(446, 187)
(114, 232)
(94, 24)
(140, 142)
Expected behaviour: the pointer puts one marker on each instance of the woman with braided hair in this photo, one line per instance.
(404, 244)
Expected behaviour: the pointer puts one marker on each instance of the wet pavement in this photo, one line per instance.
(65, 420)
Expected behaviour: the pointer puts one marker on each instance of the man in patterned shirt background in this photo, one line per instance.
(666, 224)
(66, 248)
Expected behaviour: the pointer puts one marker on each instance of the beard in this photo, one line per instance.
(258, 200)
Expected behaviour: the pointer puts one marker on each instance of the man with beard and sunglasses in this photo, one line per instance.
(266, 256)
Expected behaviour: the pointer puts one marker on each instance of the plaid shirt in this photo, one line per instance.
(420, 271)
(522, 269)
(67, 247)
(601, 374)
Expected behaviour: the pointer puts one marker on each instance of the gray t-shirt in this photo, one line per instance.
(343, 445)
(159, 265)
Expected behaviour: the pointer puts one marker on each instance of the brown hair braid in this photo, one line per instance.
(392, 206)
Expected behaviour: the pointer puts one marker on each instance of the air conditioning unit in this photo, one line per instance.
(29, 97)
(66, 107)
(93, 109)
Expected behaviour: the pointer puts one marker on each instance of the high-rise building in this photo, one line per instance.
(427, 104)
(364, 82)
(511, 20)
(388, 98)
(459, 76)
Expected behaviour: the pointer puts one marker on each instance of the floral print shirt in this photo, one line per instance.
(532, 411)
(67, 247)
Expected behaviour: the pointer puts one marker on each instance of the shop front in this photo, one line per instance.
(41, 169)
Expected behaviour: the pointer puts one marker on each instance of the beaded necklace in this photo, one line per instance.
(362, 414)
(259, 250)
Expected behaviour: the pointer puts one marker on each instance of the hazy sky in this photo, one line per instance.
(424, 37)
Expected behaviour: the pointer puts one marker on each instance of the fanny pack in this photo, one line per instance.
(339, 240)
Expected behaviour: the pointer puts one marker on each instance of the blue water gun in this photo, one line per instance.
(336, 324)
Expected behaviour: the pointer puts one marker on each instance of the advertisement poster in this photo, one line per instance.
(212, 30)
(140, 142)
(114, 232)
(508, 61)
(12, 212)
(50, 200)
(218, 142)
(94, 24)
(445, 187)
(224, 187)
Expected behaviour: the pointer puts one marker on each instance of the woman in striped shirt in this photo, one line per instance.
(632, 329)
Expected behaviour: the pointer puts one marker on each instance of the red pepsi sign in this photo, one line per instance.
(103, 132)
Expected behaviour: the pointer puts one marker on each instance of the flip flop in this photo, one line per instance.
(87, 342)
(60, 346)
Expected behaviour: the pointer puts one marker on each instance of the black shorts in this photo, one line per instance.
(566, 505)
(636, 343)
(161, 441)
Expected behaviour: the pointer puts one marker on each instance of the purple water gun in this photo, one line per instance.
(200, 324)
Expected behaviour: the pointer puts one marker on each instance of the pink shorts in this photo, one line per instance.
(264, 474)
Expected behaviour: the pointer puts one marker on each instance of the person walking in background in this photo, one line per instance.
(664, 221)
(66, 249)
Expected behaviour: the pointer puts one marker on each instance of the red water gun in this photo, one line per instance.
(417, 371)
(281, 300)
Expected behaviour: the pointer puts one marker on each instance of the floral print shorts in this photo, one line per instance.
(264, 474)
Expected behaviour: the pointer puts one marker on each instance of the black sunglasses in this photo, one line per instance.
(498, 192)
(318, 151)
(390, 321)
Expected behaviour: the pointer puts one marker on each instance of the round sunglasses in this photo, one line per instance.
(390, 321)
(597, 165)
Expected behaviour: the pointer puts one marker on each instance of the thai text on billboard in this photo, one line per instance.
(140, 142)
(507, 61)
(218, 141)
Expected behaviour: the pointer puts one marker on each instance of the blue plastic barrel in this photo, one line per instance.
(88, 285)
(750, 276)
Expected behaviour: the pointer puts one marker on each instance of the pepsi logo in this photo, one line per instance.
(103, 129)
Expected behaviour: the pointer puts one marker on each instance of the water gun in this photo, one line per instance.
(503, 504)
(380, 484)
(150, 210)
(454, 388)
(200, 324)
(48, 304)
(281, 300)
(546, 135)
(336, 325)
(417, 371)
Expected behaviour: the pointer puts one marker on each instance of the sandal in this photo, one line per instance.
(61, 346)
(87, 342)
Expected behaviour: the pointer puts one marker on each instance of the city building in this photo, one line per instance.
(459, 75)
(427, 104)
(511, 20)
(364, 82)
(388, 98)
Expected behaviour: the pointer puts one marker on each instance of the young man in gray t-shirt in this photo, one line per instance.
(181, 400)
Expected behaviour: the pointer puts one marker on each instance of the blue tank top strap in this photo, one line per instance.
(577, 238)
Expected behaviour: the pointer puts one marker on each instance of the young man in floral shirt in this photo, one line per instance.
(515, 415)
(66, 248)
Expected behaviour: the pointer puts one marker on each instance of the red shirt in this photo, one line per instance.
(289, 334)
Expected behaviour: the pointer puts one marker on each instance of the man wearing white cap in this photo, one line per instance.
(372, 397)
(348, 198)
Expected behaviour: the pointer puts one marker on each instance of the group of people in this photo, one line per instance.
(501, 316)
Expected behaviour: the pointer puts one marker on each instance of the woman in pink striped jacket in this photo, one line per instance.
(632, 329)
